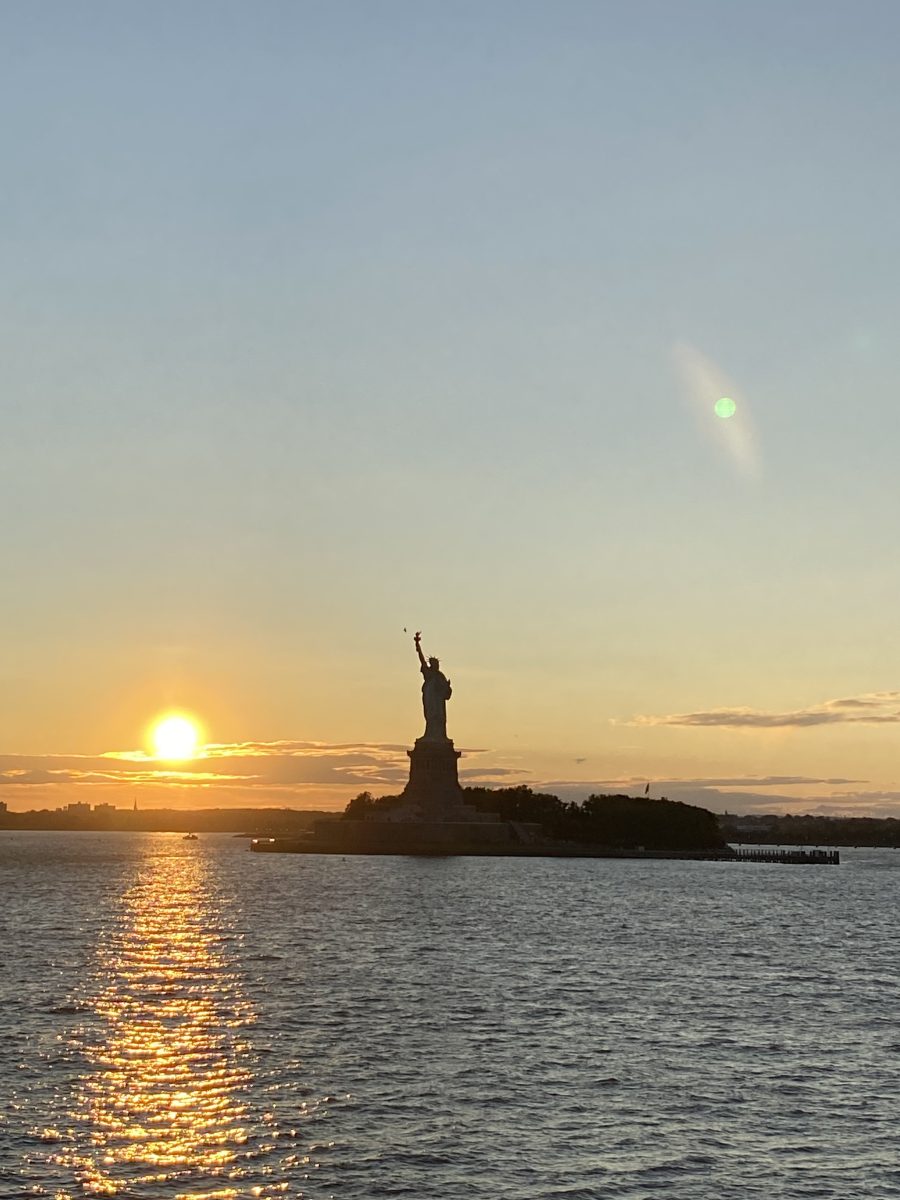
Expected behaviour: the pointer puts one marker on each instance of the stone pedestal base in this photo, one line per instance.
(433, 775)
(431, 818)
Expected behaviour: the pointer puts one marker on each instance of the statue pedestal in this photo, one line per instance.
(433, 775)
(431, 818)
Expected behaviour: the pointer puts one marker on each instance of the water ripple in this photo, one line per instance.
(194, 1021)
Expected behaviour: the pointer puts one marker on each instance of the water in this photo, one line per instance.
(191, 1020)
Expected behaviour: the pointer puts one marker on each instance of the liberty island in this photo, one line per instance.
(435, 815)
(430, 816)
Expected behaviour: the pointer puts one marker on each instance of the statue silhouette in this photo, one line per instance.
(436, 691)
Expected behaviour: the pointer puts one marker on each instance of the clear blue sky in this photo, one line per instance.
(320, 320)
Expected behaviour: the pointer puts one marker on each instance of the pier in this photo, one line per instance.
(775, 854)
(542, 849)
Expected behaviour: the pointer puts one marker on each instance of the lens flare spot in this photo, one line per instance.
(725, 407)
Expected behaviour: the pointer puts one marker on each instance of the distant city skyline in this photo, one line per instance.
(325, 321)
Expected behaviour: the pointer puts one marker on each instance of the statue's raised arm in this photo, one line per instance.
(436, 691)
(418, 641)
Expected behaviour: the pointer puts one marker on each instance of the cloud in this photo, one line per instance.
(281, 749)
(872, 708)
(476, 775)
(283, 772)
(704, 786)
(739, 781)
(325, 775)
(740, 794)
(877, 803)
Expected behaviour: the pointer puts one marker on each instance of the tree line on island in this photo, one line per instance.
(619, 822)
(627, 822)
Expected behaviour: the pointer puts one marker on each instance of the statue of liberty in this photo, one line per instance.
(436, 691)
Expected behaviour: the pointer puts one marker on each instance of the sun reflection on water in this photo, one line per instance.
(162, 1104)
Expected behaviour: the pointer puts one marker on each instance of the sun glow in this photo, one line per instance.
(175, 737)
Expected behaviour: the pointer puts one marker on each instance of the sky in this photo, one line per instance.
(323, 323)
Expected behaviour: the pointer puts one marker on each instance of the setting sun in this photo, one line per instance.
(175, 737)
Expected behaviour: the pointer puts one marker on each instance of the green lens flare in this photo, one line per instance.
(725, 408)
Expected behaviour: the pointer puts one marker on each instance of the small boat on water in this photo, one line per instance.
(190, 837)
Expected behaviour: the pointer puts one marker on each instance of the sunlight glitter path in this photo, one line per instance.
(161, 1106)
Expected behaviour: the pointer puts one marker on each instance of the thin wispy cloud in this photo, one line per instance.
(325, 775)
(284, 770)
(477, 775)
(279, 749)
(873, 708)
(627, 782)
(746, 794)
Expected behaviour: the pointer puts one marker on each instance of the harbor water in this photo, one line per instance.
(187, 1019)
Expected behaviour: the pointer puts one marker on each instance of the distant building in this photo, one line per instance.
(105, 808)
(78, 810)
(2, 806)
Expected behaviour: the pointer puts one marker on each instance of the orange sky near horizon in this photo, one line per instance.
(794, 761)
